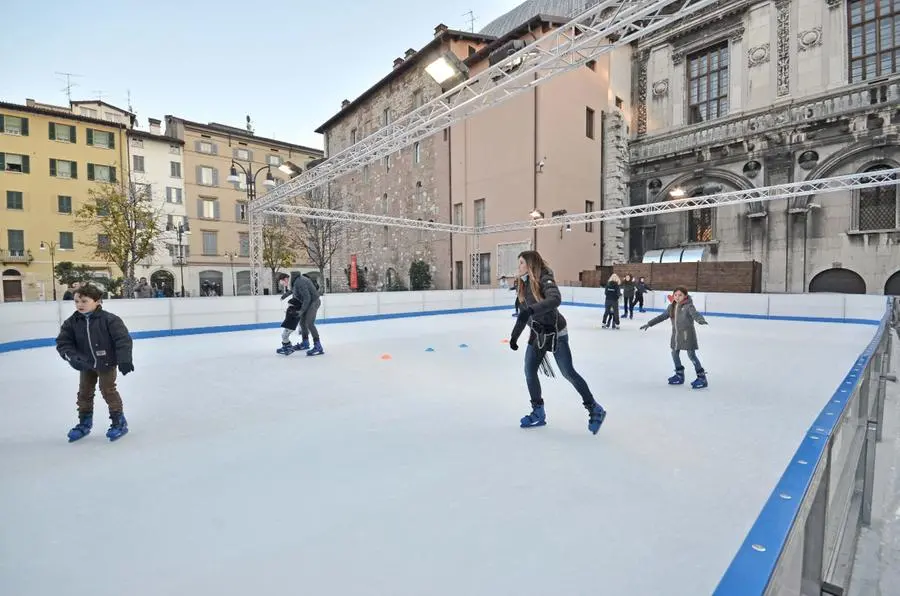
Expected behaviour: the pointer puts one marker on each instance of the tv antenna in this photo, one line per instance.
(69, 83)
(99, 94)
(471, 20)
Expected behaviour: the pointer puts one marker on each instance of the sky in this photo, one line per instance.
(287, 65)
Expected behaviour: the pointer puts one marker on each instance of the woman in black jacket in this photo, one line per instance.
(539, 300)
(613, 293)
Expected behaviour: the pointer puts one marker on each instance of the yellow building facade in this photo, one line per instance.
(50, 158)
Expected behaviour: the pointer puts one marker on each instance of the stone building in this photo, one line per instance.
(755, 93)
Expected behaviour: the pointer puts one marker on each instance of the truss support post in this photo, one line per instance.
(476, 263)
(257, 270)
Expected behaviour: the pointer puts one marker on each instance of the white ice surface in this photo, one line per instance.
(246, 472)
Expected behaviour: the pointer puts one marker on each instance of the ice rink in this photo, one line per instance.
(246, 472)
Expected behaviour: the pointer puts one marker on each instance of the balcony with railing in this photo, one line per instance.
(848, 101)
(15, 256)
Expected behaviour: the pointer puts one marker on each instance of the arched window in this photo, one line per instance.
(700, 221)
(211, 283)
(892, 285)
(876, 207)
(838, 281)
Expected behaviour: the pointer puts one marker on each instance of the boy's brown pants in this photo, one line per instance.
(87, 386)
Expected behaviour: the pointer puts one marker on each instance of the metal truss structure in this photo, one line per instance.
(808, 188)
(599, 29)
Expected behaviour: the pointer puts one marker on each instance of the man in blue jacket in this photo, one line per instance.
(302, 308)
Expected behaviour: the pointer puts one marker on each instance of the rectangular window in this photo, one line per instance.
(588, 207)
(15, 241)
(352, 136)
(417, 153)
(175, 169)
(62, 132)
(210, 243)
(205, 176)
(61, 168)
(208, 209)
(138, 163)
(700, 225)
(242, 154)
(66, 240)
(874, 30)
(707, 73)
(273, 160)
(205, 147)
(15, 200)
(88, 112)
(240, 212)
(479, 213)
(13, 162)
(101, 173)
(102, 242)
(458, 214)
(14, 125)
(877, 208)
(418, 100)
(243, 244)
(101, 139)
(589, 122)
(484, 267)
(174, 149)
(366, 173)
(137, 143)
(64, 204)
(173, 195)
(386, 117)
(387, 162)
(385, 236)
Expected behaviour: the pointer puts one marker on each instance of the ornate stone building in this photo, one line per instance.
(755, 93)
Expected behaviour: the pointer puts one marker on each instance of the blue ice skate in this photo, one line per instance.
(285, 349)
(83, 428)
(118, 428)
(537, 417)
(700, 382)
(302, 346)
(316, 349)
(677, 378)
(596, 418)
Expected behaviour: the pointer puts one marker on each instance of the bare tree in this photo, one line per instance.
(277, 248)
(127, 225)
(320, 238)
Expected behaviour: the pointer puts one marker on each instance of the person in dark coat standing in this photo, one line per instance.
(639, 291)
(613, 293)
(539, 300)
(302, 308)
(683, 315)
(95, 342)
(628, 296)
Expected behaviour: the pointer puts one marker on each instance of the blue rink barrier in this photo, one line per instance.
(804, 539)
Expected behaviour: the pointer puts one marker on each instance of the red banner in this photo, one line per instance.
(354, 280)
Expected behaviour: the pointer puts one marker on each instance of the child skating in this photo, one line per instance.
(95, 342)
(683, 315)
(539, 300)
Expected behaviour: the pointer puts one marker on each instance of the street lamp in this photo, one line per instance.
(52, 246)
(250, 177)
(180, 230)
(231, 256)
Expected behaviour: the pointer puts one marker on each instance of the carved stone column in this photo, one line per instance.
(783, 47)
(641, 92)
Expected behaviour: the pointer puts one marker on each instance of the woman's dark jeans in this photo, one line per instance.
(563, 358)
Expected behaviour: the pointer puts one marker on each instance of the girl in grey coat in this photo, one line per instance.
(683, 315)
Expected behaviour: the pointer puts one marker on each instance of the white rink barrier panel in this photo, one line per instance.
(35, 324)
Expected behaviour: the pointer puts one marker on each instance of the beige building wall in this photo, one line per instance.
(218, 261)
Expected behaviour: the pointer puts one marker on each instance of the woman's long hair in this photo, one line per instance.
(535, 265)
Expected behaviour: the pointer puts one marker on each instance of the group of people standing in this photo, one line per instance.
(631, 291)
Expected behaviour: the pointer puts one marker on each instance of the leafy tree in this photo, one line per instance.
(419, 275)
(319, 238)
(278, 250)
(69, 273)
(126, 224)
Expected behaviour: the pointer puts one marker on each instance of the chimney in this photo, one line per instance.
(154, 126)
(409, 53)
(440, 29)
(345, 103)
(398, 62)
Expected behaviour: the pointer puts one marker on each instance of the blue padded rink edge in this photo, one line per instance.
(44, 342)
(754, 564)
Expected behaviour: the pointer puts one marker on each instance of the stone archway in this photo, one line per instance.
(838, 281)
(892, 285)
(163, 280)
(12, 286)
(879, 155)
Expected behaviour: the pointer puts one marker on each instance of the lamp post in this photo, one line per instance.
(250, 177)
(180, 230)
(52, 246)
(231, 256)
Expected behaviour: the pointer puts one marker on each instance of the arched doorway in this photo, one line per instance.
(211, 283)
(892, 285)
(838, 281)
(163, 280)
(12, 286)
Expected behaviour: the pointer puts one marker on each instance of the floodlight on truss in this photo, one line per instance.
(599, 29)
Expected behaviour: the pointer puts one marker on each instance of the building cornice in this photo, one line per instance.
(698, 21)
(231, 132)
(60, 115)
(149, 135)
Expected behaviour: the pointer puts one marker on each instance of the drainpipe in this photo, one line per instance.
(450, 195)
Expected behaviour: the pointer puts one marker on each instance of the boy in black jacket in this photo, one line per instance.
(94, 342)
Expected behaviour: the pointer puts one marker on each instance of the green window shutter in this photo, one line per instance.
(90, 165)
(72, 136)
(52, 162)
(112, 174)
(1, 122)
(112, 140)
(216, 214)
(90, 140)
(26, 164)
(200, 208)
(52, 133)
(2, 161)
(24, 127)
(74, 170)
